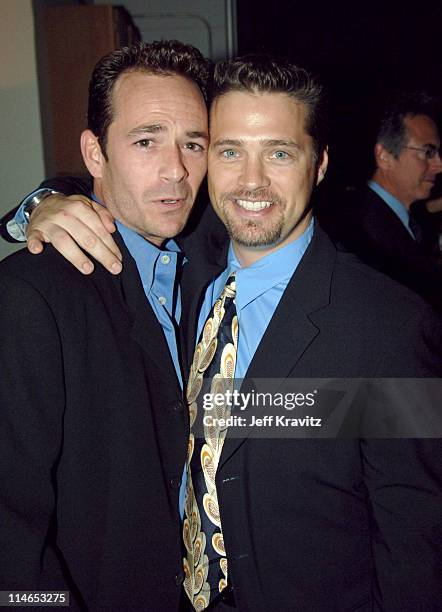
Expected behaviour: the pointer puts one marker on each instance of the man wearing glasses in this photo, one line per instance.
(377, 224)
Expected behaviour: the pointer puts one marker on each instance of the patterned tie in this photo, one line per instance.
(205, 564)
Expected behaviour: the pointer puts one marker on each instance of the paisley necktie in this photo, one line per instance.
(205, 563)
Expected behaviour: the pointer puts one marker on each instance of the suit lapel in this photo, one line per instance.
(206, 252)
(145, 328)
(292, 328)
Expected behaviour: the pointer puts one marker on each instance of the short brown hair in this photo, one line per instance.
(167, 57)
(267, 74)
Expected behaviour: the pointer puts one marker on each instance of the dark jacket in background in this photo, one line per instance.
(366, 225)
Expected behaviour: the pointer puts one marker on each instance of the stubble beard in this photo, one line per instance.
(249, 232)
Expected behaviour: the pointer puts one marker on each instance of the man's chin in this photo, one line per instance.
(253, 237)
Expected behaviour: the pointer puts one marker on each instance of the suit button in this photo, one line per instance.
(178, 406)
(179, 578)
(175, 483)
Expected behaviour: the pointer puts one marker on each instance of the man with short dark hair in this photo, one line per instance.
(376, 222)
(92, 422)
(308, 524)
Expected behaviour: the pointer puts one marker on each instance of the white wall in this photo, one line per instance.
(210, 25)
(21, 148)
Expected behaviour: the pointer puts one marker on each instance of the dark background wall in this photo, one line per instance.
(362, 51)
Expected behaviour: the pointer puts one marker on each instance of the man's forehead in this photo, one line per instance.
(422, 128)
(244, 109)
(140, 98)
(255, 99)
(141, 83)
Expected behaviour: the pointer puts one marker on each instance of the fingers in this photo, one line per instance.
(64, 244)
(105, 216)
(35, 242)
(435, 205)
(69, 223)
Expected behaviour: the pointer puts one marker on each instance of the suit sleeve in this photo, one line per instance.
(32, 402)
(69, 185)
(404, 483)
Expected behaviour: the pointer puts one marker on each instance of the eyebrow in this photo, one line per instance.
(157, 128)
(198, 134)
(281, 143)
(230, 142)
(227, 142)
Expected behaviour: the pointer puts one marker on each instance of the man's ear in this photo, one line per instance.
(92, 155)
(382, 156)
(322, 166)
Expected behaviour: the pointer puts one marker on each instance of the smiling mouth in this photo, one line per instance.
(253, 205)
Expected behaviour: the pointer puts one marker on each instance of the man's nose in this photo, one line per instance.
(173, 168)
(436, 163)
(253, 174)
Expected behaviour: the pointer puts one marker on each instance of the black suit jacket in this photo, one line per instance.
(92, 438)
(333, 525)
(328, 525)
(367, 226)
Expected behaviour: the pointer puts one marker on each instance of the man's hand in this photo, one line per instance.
(434, 206)
(68, 222)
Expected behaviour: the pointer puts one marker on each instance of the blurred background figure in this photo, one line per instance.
(379, 221)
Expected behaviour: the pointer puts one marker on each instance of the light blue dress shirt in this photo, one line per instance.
(17, 225)
(259, 288)
(158, 269)
(395, 205)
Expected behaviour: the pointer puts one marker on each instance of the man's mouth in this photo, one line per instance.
(171, 201)
(253, 205)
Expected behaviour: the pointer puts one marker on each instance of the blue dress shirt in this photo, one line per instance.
(393, 203)
(259, 288)
(158, 270)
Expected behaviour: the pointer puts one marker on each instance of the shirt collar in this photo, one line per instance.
(145, 253)
(269, 271)
(396, 206)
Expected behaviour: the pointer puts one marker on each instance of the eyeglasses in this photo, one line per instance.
(429, 152)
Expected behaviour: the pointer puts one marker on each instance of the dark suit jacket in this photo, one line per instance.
(92, 438)
(367, 226)
(333, 525)
(328, 525)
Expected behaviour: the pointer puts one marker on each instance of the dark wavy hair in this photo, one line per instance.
(167, 57)
(267, 74)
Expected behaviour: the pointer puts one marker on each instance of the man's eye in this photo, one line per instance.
(144, 143)
(194, 146)
(229, 153)
(280, 155)
(430, 152)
